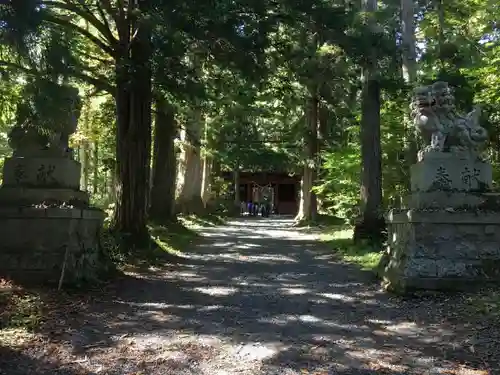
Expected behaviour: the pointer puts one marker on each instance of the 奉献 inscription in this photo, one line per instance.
(442, 181)
(469, 176)
(19, 173)
(45, 174)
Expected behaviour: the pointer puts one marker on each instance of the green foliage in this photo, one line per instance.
(206, 220)
(364, 255)
(166, 244)
(485, 303)
(249, 66)
(19, 309)
(339, 187)
(48, 105)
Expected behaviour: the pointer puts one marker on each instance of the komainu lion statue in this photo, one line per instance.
(441, 127)
(45, 119)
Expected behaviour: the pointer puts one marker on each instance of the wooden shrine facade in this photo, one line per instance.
(286, 188)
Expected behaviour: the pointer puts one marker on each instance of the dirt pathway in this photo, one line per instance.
(255, 298)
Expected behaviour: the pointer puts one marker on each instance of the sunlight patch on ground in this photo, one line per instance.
(159, 316)
(155, 305)
(255, 351)
(309, 319)
(211, 308)
(377, 321)
(290, 276)
(281, 320)
(339, 297)
(341, 234)
(260, 258)
(217, 290)
(15, 336)
(405, 328)
(209, 233)
(252, 283)
(253, 235)
(223, 244)
(190, 276)
(294, 291)
(270, 257)
(247, 246)
(284, 319)
(348, 327)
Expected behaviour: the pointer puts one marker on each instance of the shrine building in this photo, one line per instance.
(285, 189)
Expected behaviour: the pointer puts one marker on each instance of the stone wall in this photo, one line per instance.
(442, 250)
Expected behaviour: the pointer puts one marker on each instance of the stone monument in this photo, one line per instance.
(448, 236)
(49, 232)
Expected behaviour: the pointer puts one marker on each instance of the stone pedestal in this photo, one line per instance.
(448, 237)
(36, 242)
(442, 250)
(46, 224)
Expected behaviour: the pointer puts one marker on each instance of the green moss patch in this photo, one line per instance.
(365, 255)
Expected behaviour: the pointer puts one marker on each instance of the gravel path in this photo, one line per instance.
(256, 297)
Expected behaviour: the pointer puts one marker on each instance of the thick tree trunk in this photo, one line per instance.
(207, 178)
(133, 146)
(308, 203)
(441, 28)
(95, 177)
(372, 224)
(306, 185)
(112, 185)
(84, 161)
(409, 58)
(236, 177)
(189, 200)
(324, 135)
(206, 187)
(162, 197)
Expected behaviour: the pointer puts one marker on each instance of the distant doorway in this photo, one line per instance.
(287, 199)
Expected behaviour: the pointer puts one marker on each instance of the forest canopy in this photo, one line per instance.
(173, 93)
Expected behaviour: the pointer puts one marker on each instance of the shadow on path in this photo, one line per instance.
(259, 297)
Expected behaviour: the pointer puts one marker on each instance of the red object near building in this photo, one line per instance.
(285, 189)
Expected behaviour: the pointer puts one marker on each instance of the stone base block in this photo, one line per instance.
(454, 200)
(38, 243)
(22, 197)
(41, 172)
(441, 250)
(449, 172)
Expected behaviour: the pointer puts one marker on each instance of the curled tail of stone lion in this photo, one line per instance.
(477, 132)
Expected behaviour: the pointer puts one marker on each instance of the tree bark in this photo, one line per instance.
(206, 187)
(95, 177)
(84, 162)
(236, 178)
(409, 57)
(189, 200)
(308, 202)
(133, 146)
(324, 136)
(372, 223)
(441, 27)
(207, 178)
(162, 197)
